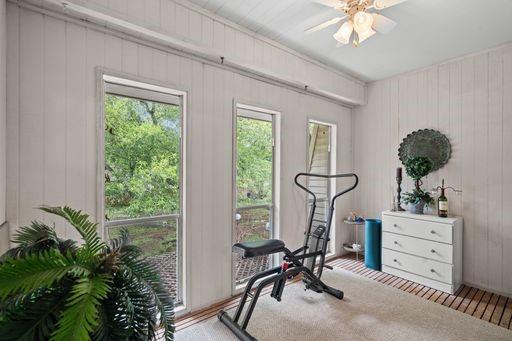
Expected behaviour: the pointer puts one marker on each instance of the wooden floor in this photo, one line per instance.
(481, 304)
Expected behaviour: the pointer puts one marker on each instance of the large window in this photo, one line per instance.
(321, 160)
(143, 191)
(255, 185)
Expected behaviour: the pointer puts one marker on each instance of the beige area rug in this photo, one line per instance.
(369, 311)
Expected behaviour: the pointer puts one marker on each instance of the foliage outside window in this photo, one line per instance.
(142, 158)
(254, 162)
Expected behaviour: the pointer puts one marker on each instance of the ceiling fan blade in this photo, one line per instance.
(382, 4)
(324, 25)
(331, 3)
(382, 24)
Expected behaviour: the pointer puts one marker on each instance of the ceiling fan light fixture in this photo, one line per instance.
(365, 35)
(378, 5)
(362, 19)
(344, 33)
(363, 22)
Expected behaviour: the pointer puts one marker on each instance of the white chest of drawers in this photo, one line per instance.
(424, 249)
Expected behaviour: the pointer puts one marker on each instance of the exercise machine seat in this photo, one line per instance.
(259, 247)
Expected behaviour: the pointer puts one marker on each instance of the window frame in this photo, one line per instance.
(333, 129)
(254, 113)
(116, 83)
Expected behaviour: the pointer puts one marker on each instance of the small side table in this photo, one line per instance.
(349, 247)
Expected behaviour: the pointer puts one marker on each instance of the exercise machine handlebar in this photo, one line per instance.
(325, 176)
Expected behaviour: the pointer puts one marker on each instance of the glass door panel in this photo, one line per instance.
(319, 157)
(254, 188)
(143, 144)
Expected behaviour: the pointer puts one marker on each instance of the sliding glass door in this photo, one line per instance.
(143, 144)
(255, 207)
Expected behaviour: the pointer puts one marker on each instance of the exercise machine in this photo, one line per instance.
(302, 261)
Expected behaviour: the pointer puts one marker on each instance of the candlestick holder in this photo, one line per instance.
(398, 194)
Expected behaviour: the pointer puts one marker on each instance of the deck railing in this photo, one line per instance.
(165, 255)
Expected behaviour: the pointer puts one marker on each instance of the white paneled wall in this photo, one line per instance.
(469, 100)
(52, 137)
(193, 24)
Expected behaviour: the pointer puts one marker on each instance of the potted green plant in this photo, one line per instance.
(417, 168)
(55, 289)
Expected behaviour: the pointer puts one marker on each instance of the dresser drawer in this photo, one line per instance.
(419, 247)
(438, 271)
(430, 230)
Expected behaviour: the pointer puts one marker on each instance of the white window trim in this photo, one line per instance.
(276, 123)
(128, 85)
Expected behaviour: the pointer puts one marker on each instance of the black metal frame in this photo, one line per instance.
(293, 264)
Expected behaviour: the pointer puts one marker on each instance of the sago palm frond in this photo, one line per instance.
(122, 240)
(35, 233)
(144, 273)
(36, 271)
(81, 223)
(34, 238)
(51, 289)
(82, 305)
(33, 316)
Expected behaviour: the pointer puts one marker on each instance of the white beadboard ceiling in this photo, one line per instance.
(428, 31)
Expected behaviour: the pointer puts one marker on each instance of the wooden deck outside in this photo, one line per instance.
(481, 304)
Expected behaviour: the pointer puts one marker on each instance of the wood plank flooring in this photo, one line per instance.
(481, 304)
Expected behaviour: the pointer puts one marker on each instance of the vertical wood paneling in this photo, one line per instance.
(54, 111)
(469, 140)
(120, 6)
(136, 9)
(218, 36)
(208, 176)
(443, 114)
(181, 17)
(12, 117)
(192, 24)
(454, 167)
(432, 114)
(494, 169)
(469, 101)
(113, 52)
(195, 27)
(30, 116)
(145, 61)
(225, 182)
(130, 59)
(75, 119)
(506, 199)
(173, 69)
(3, 124)
(96, 52)
(207, 31)
(152, 11)
(195, 226)
(481, 195)
(57, 62)
(168, 16)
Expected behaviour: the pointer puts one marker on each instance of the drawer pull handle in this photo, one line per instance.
(395, 242)
(432, 270)
(395, 225)
(433, 251)
(432, 231)
(394, 260)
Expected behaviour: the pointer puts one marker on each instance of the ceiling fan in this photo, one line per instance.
(360, 22)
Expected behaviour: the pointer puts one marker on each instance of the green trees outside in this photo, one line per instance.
(142, 158)
(254, 162)
(142, 161)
